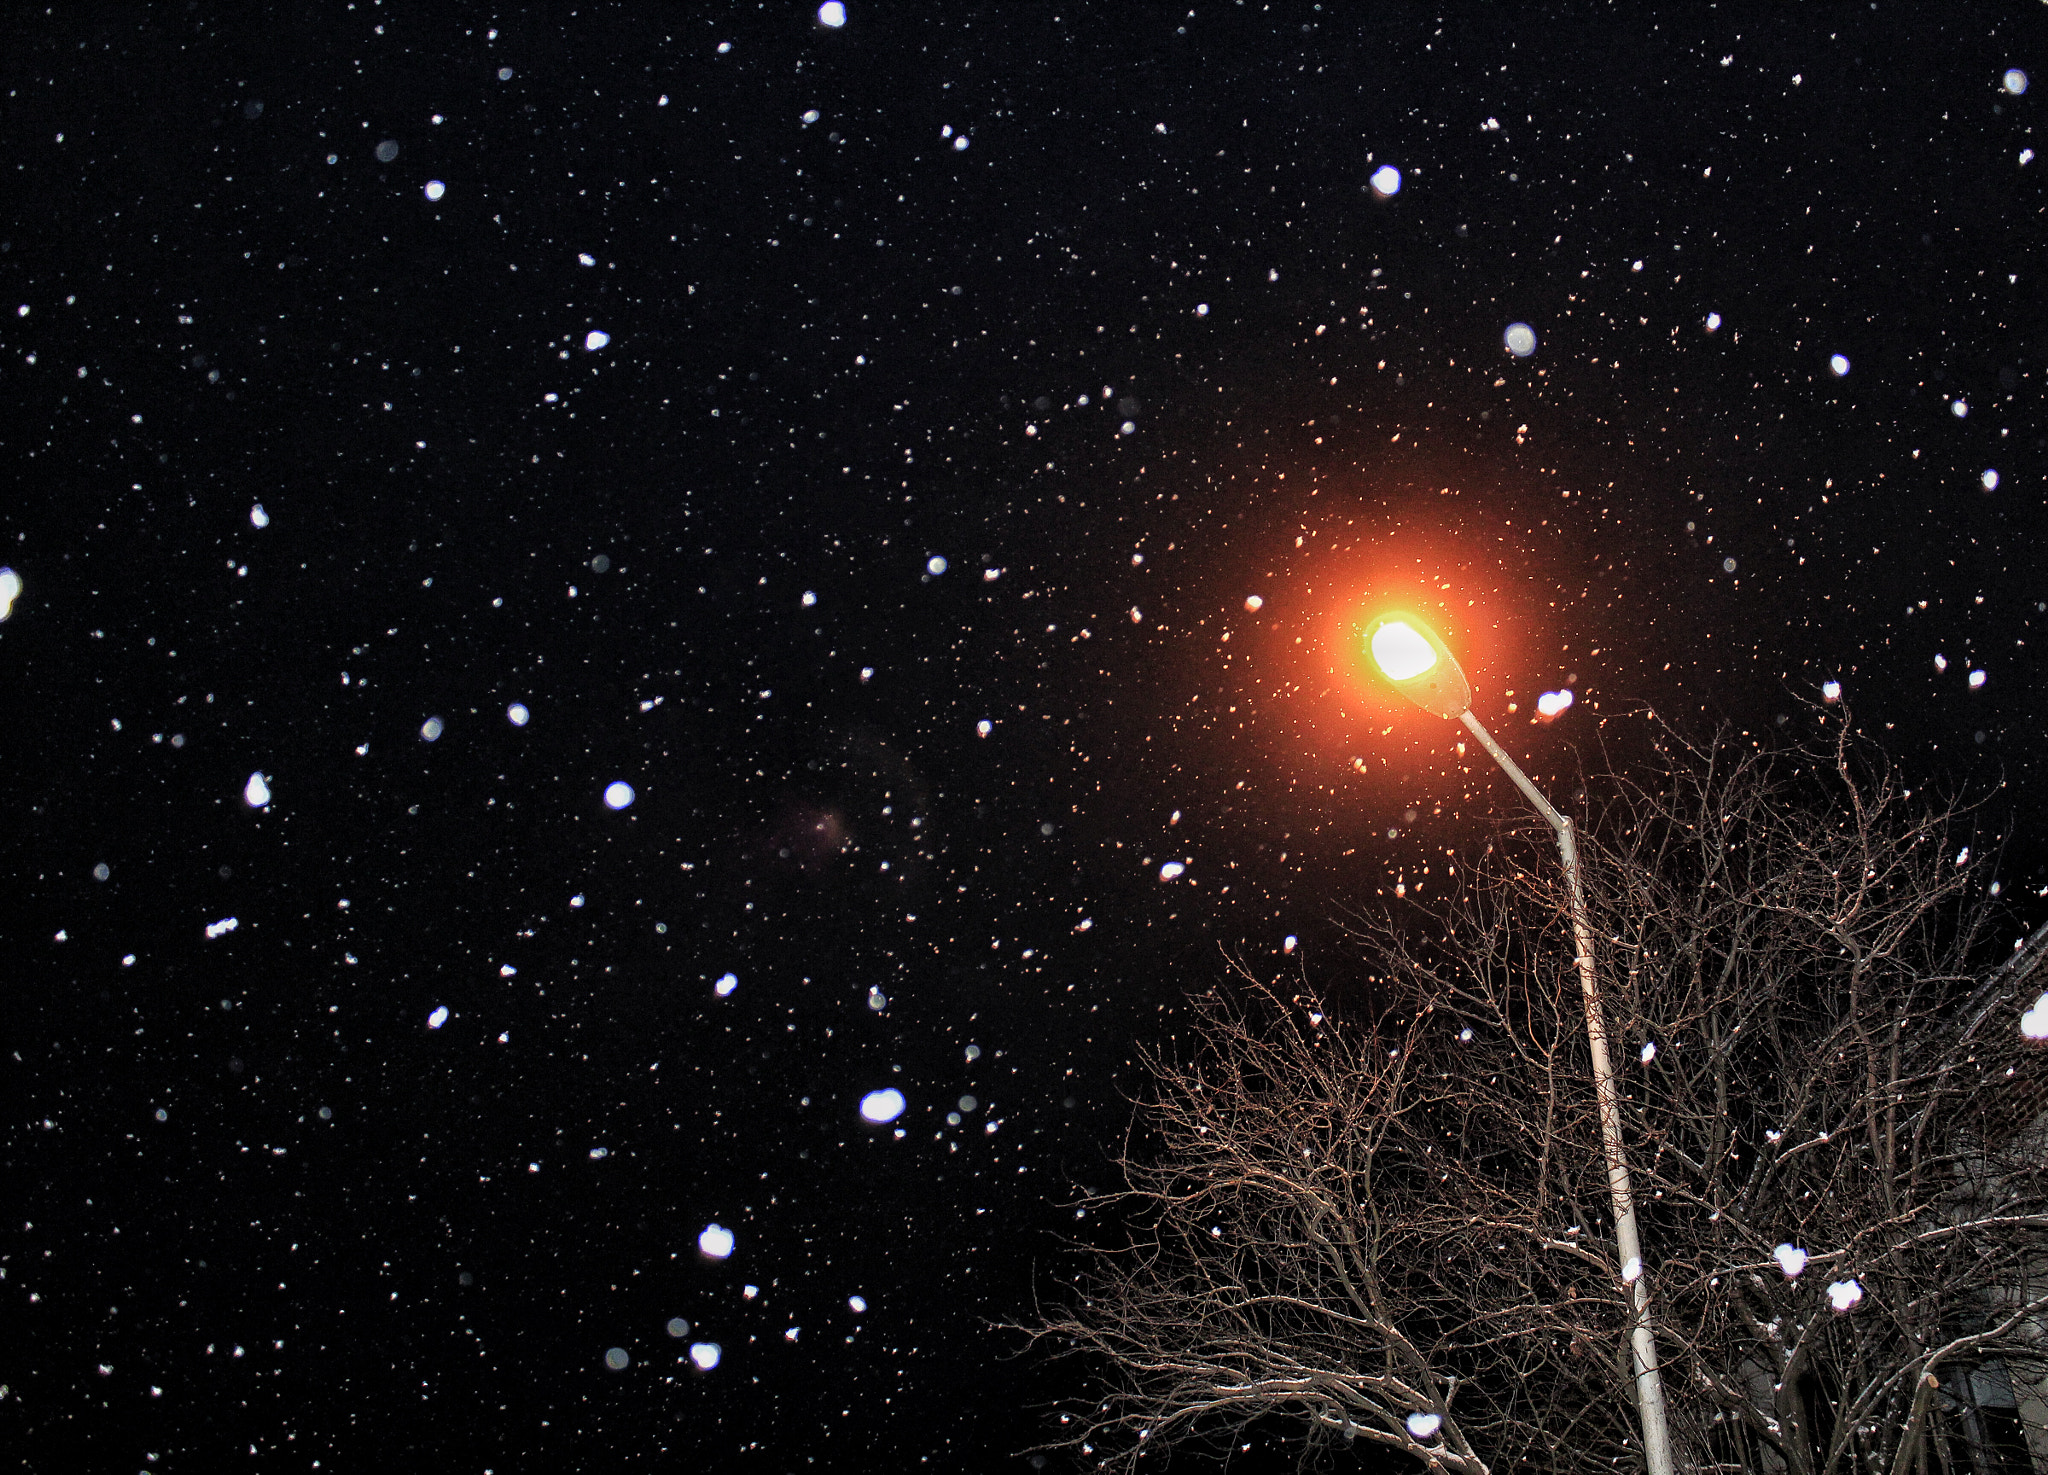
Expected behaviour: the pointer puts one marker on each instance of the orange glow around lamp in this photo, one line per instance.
(1421, 667)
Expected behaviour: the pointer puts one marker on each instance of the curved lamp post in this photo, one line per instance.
(1419, 665)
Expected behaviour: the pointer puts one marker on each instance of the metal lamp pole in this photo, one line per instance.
(1411, 656)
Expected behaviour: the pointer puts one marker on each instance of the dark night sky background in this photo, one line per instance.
(261, 1216)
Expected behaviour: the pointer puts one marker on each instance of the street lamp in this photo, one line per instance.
(1422, 668)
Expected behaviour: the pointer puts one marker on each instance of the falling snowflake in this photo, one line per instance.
(882, 1106)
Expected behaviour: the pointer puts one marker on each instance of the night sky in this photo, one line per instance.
(941, 463)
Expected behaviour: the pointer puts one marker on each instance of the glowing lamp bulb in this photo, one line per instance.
(1420, 666)
(1401, 651)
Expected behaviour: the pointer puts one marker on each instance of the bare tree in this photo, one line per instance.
(1384, 1214)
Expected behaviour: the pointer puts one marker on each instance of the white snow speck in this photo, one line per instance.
(1386, 181)
(1201, 309)
(1791, 1259)
(576, 900)
(1632, 1271)
(1519, 340)
(715, 1242)
(1960, 408)
(1844, 1294)
(506, 970)
(882, 1106)
(436, 189)
(858, 1304)
(1254, 603)
(224, 925)
(960, 143)
(618, 794)
(517, 715)
(832, 14)
(2014, 81)
(1831, 690)
(1838, 364)
(258, 518)
(936, 564)
(1940, 662)
(10, 590)
(1989, 479)
(2034, 1023)
(867, 674)
(1551, 703)
(431, 729)
(724, 47)
(810, 598)
(705, 1355)
(1963, 856)
(1423, 1426)
(1649, 1051)
(984, 727)
(597, 1153)
(1289, 943)
(1977, 678)
(438, 1018)
(1713, 322)
(727, 982)
(594, 340)
(877, 1000)
(811, 115)
(1173, 870)
(256, 792)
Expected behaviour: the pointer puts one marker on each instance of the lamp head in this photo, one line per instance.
(1418, 664)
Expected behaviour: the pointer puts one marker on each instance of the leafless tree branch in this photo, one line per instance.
(1391, 1225)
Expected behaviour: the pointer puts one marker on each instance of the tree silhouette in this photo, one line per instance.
(1389, 1222)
